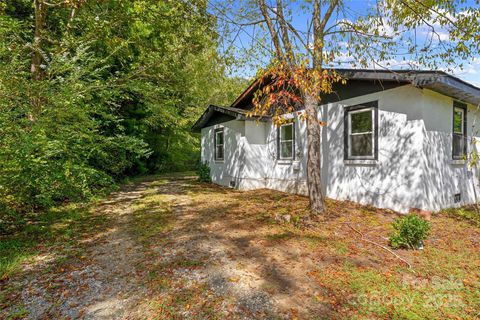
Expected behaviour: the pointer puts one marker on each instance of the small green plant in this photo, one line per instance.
(204, 172)
(296, 221)
(410, 231)
(470, 214)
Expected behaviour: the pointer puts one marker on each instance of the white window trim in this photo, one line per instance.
(360, 162)
(216, 144)
(292, 142)
(372, 157)
(458, 162)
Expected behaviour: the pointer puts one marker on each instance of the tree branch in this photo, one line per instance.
(295, 33)
(317, 36)
(328, 14)
(57, 4)
(271, 28)
(353, 29)
(362, 237)
(319, 25)
(284, 29)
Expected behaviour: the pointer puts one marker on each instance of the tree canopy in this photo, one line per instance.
(94, 91)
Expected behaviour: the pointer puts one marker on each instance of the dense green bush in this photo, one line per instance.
(410, 231)
(203, 171)
(121, 84)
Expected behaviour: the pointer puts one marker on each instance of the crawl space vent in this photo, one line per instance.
(232, 184)
(457, 198)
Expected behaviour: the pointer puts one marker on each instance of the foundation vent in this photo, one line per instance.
(233, 184)
(457, 198)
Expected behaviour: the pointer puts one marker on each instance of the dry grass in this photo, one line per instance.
(213, 253)
(356, 279)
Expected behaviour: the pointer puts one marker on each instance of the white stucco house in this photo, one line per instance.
(394, 140)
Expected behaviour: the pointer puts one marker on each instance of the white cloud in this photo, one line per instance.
(437, 27)
(471, 68)
(373, 24)
(345, 60)
(470, 72)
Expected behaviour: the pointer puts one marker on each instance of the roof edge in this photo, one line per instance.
(238, 114)
(420, 78)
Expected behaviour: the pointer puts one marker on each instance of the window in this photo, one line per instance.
(361, 136)
(459, 129)
(219, 148)
(286, 141)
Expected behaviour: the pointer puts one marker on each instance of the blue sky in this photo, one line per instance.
(241, 38)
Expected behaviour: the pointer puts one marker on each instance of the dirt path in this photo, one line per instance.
(104, 282)
(236, 263)
(173, 248)
(169, 249)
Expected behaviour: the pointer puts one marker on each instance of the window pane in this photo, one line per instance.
(219, 152)
(458, 120)
(361, 145)
(286, 132)
(219, 137)
(361, 121)
(458, 145)
(286, 150)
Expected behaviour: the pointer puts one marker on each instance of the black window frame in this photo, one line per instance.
(215, 145)
(372, 105)
(279, 151)
(459, 105)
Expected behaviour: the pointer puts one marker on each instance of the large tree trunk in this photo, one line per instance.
(314, 181)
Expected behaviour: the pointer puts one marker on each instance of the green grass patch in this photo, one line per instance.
(20, 313)
(469, 214)
(152, 216)
(159, 179)
(58, 226)
(369, 293)
(340, 248)
(280, 236)
(313, 241)
(187, 263)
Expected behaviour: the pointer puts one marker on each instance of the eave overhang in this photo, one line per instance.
(449, 86)
(238, 114)
(438, 81)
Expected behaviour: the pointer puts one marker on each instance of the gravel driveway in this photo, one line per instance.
(170, 248)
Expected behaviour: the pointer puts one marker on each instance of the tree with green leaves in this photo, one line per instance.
(94, 91)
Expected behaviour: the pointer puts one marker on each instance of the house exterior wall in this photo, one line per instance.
(414, 167)
(442, 176)
(225, 171)
(393, 180)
